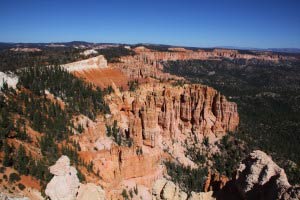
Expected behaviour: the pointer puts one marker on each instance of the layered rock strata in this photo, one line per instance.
(158, 113)
(148, 63)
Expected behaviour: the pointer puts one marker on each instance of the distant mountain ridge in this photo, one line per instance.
(90, 44)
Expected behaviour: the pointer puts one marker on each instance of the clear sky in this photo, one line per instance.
(204, 23)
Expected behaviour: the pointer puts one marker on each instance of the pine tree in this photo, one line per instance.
(21, 160)
(7, 161)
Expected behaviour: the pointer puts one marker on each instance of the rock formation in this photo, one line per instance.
(167, 190)
(65, 183)
(148, 63)
(215, 182)
(259, 177)
(158, 118)
(9, 78)
(90, 191)
(11, 197)
(18, 49)
(89, 52)
(97, 62)
(162, 110)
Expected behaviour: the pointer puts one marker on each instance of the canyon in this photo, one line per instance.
(156, 122)
(148, 63)
(161, 120)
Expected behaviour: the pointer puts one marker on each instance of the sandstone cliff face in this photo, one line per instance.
(161, 111)
(159, 118)
(148, 63)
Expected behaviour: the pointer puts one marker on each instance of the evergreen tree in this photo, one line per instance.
(7, 161)
(21, 161)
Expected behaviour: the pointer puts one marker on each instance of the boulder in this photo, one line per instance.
(65, 183)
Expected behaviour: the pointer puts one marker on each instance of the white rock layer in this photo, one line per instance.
(10, 78)
(87, 64)
(65, 183)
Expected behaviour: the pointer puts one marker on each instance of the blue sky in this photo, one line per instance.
(204, 23)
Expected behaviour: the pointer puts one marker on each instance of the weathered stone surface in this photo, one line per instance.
(148, 63)
(202, 196)
(158, 186)
(167, 190)
(259, 175)
(215, 182)
(9, 78)
(161, 109)
(97, 62)
(11, 197)
(90, 191)
(64, 185)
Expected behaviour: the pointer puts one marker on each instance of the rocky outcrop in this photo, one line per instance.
(97, 62)
(259, 177)
(18, 49)
(89, 52)
(148, 63)
(9, 78)
(90, 191)
(158, 111)
(65, 183)
(11, 197)
(167, 190)
(215, 182)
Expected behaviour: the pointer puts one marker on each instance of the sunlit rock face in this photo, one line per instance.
(148, 63)
(65, 183)
(9, 78)
(157, 112)
(90, 191)
(259, 177)
(167, 190)
(98, 62)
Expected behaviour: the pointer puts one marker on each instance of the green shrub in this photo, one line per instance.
(2, 169)
(14, 177)
(21, 186)
(124, 194)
